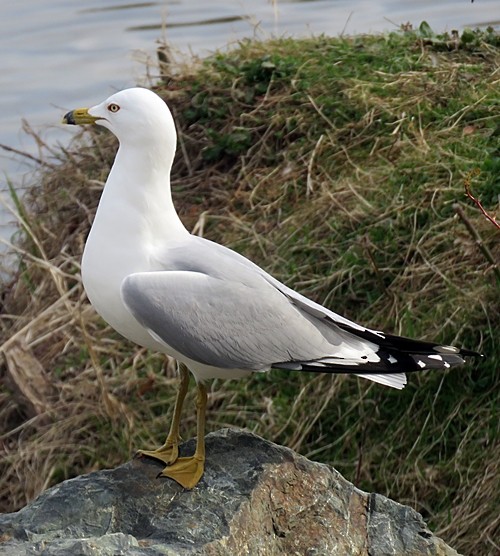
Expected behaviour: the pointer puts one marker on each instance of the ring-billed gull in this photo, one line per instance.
(217, 313)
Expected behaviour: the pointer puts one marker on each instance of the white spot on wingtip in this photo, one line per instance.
(446, 349)
(421, 364)
(437, 357)
(447, 365)
(392, 359)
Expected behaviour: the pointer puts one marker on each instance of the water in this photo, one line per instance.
(55, 56)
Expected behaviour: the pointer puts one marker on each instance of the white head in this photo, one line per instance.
(137, 116)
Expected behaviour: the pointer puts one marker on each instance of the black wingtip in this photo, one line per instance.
(408, 345)
(470, 353)
(452, 350)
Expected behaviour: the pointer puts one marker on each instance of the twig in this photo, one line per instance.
(477, 238)
(318, 110)
(23, 153)
(467, 185)
(309, 188)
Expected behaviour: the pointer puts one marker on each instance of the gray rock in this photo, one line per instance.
(256, 498)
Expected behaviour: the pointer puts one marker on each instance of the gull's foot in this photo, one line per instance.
(186, 471)
(168, 453)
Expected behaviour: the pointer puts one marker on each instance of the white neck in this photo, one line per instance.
(137, 200)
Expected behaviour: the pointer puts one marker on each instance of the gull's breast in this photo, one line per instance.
(105, 264)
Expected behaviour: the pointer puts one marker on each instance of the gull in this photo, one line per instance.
(213, 310)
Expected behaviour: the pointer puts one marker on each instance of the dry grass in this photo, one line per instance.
(335, 164)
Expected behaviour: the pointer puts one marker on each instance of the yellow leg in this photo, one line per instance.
(169, 452)
(188, 471)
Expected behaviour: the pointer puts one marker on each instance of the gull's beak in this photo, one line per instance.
(79, 116)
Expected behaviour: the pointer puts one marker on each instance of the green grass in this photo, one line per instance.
(337, 165)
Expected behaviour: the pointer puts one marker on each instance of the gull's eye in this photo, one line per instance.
(113, 107)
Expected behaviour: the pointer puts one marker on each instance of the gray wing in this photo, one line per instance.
(214, 259)
(228, 323)
(219, 308)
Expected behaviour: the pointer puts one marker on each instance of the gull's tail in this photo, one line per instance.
(394, 356)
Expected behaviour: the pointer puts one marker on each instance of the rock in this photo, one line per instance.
(256, 498)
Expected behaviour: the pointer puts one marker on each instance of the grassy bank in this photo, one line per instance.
(339, 166)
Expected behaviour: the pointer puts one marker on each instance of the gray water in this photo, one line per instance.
(55, 55)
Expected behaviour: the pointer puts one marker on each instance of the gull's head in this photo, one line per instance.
(136, 116)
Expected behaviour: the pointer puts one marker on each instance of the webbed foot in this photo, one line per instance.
(186, 471)
(168, 453)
